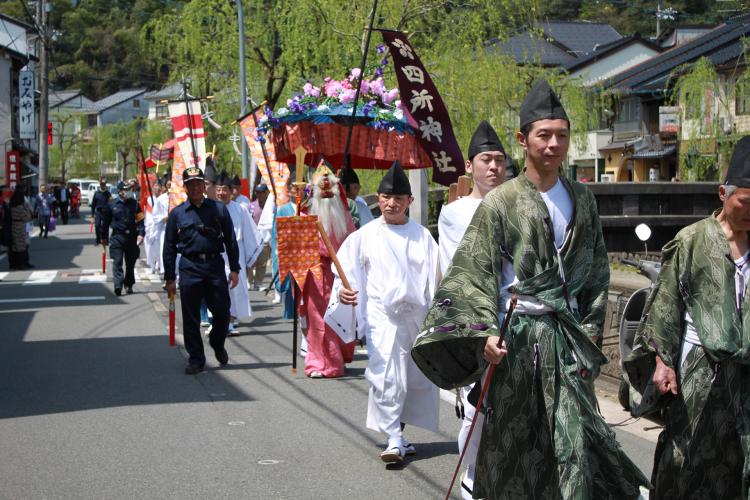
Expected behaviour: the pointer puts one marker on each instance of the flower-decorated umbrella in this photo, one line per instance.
(319, 120)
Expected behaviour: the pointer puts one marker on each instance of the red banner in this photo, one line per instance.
(12, 168)
(425, 110)
(299, 248)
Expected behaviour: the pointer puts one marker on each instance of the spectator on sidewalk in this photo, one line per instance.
(44, 206)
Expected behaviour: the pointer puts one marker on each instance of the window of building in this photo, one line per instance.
(91, 120)
(136, 103)
(742, 102)
(630, 111)
(161, 111)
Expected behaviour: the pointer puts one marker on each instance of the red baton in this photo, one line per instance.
(104, 259)
(91, 227)
(171, 318)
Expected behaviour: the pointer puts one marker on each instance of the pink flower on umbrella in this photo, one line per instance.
(390, 96)
(333, 88)
(377, 87)
(311, 90)
(355, 74)
(347, 96)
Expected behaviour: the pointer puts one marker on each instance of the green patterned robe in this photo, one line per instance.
(706, 442)
(543, 436)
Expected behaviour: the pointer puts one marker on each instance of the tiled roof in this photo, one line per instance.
(172, 91)
(580, 37)
(113, 100)
(57, 97)
(720, 45)
(558, 44)
(531, 48)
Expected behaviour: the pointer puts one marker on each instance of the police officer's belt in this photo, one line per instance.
(120, 231)
(201, 256)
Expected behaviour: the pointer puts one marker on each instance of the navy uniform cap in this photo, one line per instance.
(121, 186)
(192, 174)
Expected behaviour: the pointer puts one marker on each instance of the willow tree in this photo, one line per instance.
(707, 97)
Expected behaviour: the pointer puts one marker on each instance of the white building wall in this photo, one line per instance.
(614, 63)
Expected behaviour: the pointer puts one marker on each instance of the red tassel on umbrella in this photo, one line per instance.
(171, 319)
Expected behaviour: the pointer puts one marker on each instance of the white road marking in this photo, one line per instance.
(52, 299)
(40, 278)
(3, 275)
(92, 276)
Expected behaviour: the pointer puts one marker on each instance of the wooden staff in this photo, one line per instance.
(332, 254)
(171, 318)
(295, 300)
(483, 392)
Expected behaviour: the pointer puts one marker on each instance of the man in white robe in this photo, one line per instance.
(391, 266)
(249, 243)
(159, 216)
(150, 245)
(486, 164)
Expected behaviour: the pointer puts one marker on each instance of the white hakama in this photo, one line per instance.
(249, 243)
(393, 267)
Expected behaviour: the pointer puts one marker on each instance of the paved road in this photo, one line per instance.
(94, 404)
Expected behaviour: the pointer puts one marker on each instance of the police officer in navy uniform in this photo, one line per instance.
(124, 216)
(200, 229)
(100, 200)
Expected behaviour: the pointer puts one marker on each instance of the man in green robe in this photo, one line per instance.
(537, 237)
(693, 347)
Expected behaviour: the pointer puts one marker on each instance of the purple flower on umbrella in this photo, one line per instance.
(384, 62)
(368, 107)
(378, 71)
(260, 138)
(381, 48)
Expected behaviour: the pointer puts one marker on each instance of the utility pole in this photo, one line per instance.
(658, 16)
(243, 90)
(42, 12)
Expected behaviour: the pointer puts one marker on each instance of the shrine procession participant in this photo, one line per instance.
(350, 180)
(151, 242)
(237, 196)
(211, 175)
(693, 345)
(257, 273)
(486, 164)
(159, 215)
(391, 266)
(248, 242)
(536, 238)
(200, 230)
(326, 353)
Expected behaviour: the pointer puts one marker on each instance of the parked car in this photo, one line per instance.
(83, 185)
(92, 189)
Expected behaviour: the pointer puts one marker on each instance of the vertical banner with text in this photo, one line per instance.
(26, 114)
(425, 110)
(13, 169)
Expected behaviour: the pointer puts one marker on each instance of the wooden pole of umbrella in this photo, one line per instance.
(299, 183)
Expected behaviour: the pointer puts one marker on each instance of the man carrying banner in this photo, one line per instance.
(159, 215)
(248, 242)
(237, 195)
(326, 353)
(486, 164)
(536, 240)
(692, 346)
(391, 266)
(200, 229)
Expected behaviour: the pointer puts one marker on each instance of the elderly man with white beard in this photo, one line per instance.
(326, 353)
(249, 243)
